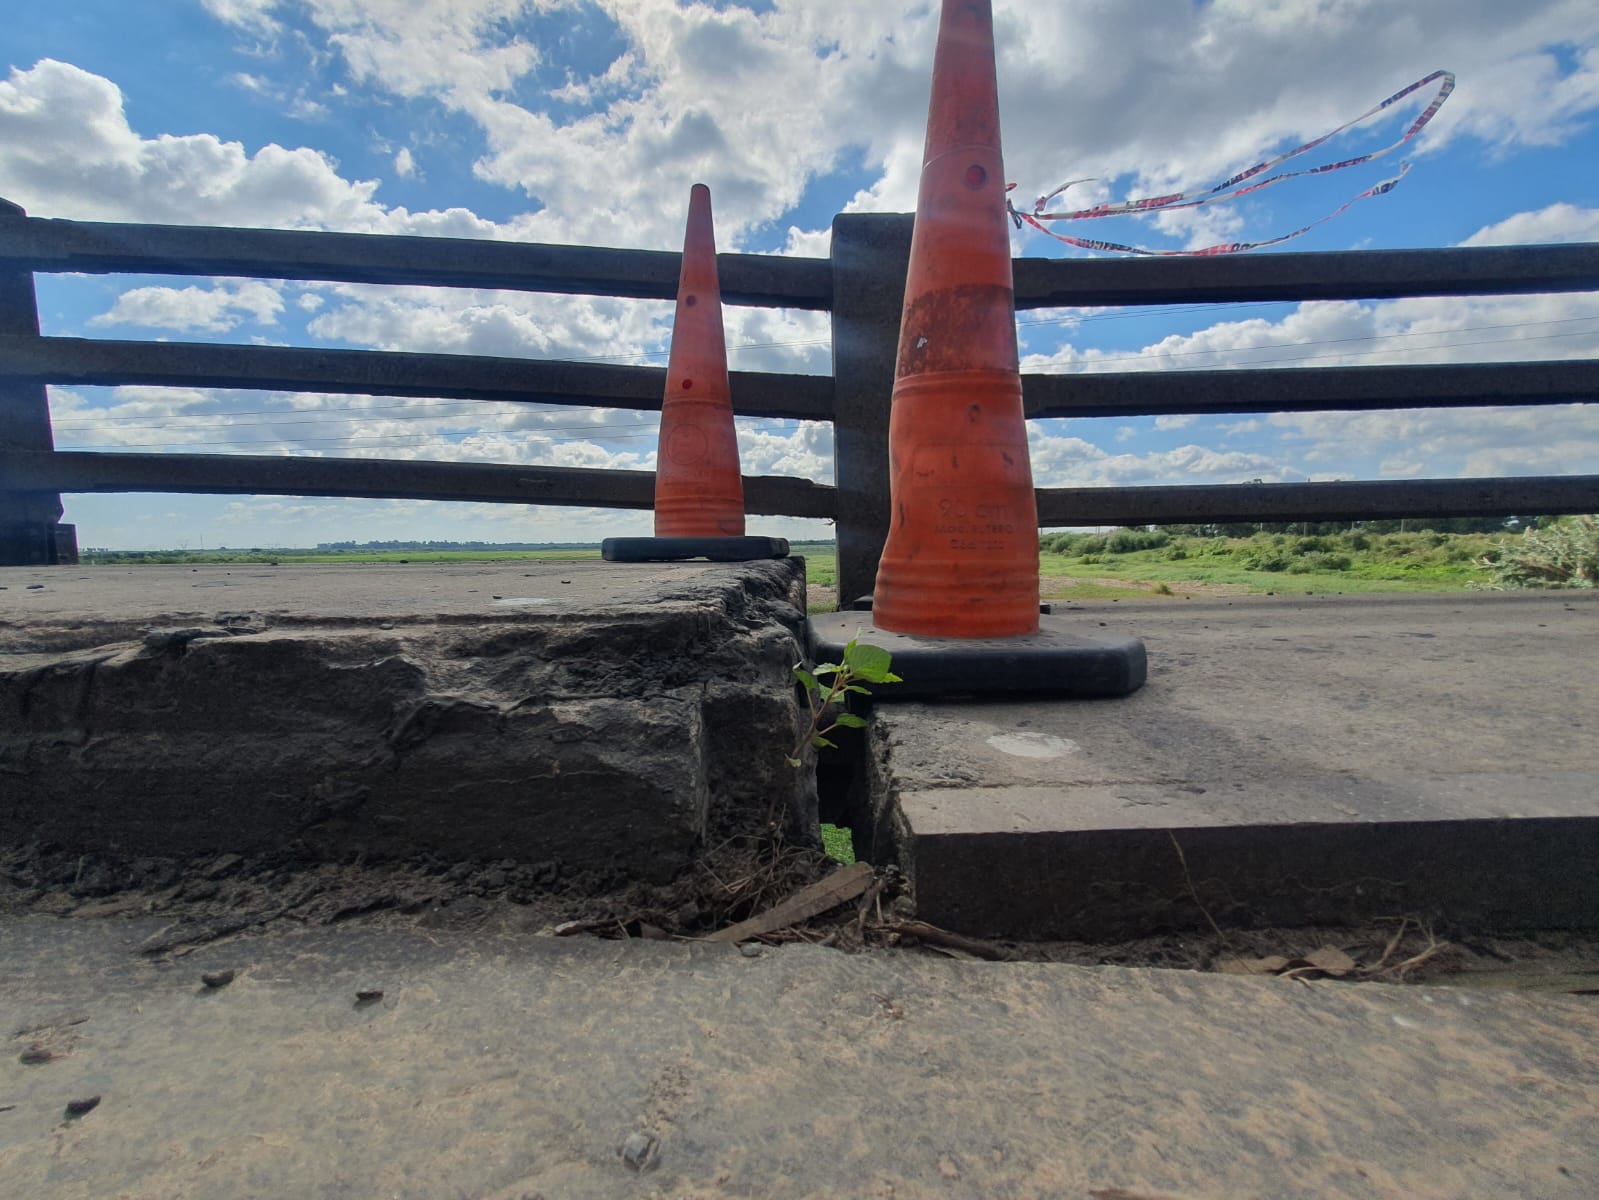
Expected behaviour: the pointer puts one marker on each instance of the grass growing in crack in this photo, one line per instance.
(838, 843)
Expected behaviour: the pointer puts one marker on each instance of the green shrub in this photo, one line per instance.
(1126, 541)
(1563, 554)
(1307, 564)
(1071, 545)
(1265, 558)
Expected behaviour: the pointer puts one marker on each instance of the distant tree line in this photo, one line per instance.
(340, 547)
(1244, 529)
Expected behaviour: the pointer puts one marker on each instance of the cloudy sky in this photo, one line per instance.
(586, 121)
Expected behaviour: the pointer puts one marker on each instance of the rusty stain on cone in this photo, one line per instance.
(961, 558)
(698, 489)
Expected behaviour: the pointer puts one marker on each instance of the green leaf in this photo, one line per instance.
(805, 677)
(794, 762)
(822, 743)
(854, 687)
(868, 662)
(826, 669)
(849, 721)
(890, 677)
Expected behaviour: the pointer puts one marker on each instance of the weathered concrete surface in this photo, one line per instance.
(1315, 758)
(504, 1068)
(591, 713)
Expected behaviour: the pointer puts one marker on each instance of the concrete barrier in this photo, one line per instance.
(602, 715)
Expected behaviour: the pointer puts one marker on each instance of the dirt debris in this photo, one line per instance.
(748, 877)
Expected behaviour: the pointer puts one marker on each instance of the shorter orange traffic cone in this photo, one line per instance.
(699, 493)
(698, 490)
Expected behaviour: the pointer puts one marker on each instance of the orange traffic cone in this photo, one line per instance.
(961, 558)
(698, 489)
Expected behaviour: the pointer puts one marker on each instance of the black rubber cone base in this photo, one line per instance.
(676, 549)
(864, 604)
(1057, 659)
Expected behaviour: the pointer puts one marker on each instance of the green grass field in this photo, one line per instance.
(1130, 563)
(1123, 564)
(1105, 567)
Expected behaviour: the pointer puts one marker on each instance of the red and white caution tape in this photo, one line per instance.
(1241, 185)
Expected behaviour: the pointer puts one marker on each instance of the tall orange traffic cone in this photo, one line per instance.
(961, 558)
(698, 489)
(956, 601)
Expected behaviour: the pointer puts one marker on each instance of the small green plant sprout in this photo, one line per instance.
(862, 664)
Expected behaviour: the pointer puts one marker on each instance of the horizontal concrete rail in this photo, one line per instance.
(778, 495)
(1324, 275)
(95, 247)
(380, 479)
(1356, 501)
(1322, 389)
(92, 362)
(95, 362)
(98, 248)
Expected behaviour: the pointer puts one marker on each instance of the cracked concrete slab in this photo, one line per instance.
(1291, 761)
(591, 713)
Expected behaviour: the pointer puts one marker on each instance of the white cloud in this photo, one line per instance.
(1339, 333)
(254, 16)
(760, 105)
(805, 449)
(214, 309)
(1066, 461)
(1550, 440)
(1556, 223)
(463, 321)
(404, 163)
(220, 420)
(66, 150)
(415, 48)
(253, 84)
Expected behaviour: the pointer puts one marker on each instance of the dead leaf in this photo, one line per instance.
(573, 928)
(942, 939)
(952, 952)
(1253, 966)
(1332, 960)
(843, 884)
(1329, 962)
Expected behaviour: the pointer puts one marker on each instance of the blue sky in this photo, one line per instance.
(586, 121)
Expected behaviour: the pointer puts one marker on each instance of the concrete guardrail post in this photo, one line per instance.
(31, 533)
(871, 253)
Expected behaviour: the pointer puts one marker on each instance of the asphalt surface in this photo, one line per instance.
(511, 1067)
